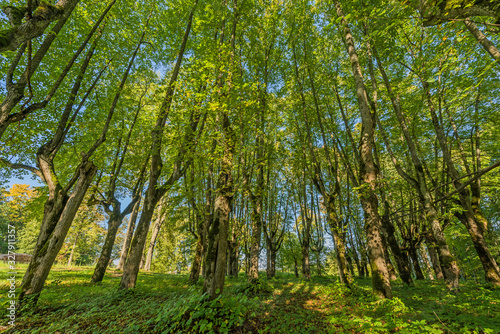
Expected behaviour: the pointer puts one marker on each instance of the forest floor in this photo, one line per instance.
(164, 303)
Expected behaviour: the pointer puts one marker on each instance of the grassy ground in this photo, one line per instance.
(165, 303)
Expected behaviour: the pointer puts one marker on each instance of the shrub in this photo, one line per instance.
(255, 287)
(197, 313)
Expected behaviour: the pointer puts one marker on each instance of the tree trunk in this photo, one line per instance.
(114, 223)
(60, 210)
(217, 238)
(402, 261)
(154, 235)
(475, 223)
(451, 270)
(416, 264)
(215, 260)
(129, 235)
(428, 266)
(339, 240)
(368, 172)
(196, 265)
(73, 250)
(350, 264)
(253, 273)
(271, 271)
(433, 254)
(390, 266)
(154, 193)
(306, 269)
(483, 40)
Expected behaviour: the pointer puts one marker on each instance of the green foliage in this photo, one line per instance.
(197, 313)
(258, 286)
(166, 303)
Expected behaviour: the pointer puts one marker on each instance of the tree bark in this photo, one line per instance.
(368, 171)
(60, 210)
(154, 235)
(416, 264)
(475, 223)
(215, 260)
(114, 222)
(451, 270)
(154, 192)
(402, 261)
(433, 254)
(428, 266)
(129, 235)
(483, 40)
(70, 260)
(36, 25)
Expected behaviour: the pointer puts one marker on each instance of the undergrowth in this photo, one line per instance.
(164, 303)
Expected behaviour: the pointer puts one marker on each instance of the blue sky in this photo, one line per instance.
(25, 180)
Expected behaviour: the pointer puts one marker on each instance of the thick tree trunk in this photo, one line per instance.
(114, 223)
(215, 260)
(295, 267)
(132, 265)
(36, 25)
(60, 210)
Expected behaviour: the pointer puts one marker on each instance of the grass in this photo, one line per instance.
(165, 303)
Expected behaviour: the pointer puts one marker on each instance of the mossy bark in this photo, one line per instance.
(59, 213)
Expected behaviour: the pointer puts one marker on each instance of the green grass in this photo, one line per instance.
(165, 303)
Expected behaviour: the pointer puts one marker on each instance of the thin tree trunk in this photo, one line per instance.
(428, 266)
(476, 224)
(154, 235)
(154, 193)
(483, 40)
(451, 270)
(114, 223)
(416, 264)
(129, 235)
(369, 173)
(70, 260)
(433, 254)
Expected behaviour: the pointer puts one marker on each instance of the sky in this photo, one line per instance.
(26, 180)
